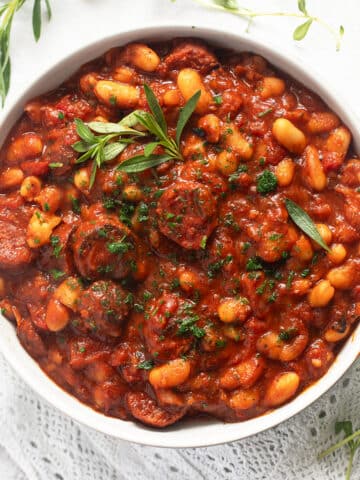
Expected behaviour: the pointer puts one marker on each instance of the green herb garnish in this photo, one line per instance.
(145, 365)
(231, 6)
(188, 326)
(7, 13)
(156, 125)
(103, 148)
(264, 112)
(266, 182)
(254, 263)
(352, 440)
(304, 222)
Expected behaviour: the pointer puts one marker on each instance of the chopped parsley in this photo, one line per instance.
(56, 165)
(146, 365)
(120, 247)
(188, 326)
(203, 242)
(254, 263)
(264, 112)
(290, 279)
(220, 343)
(56, 274)
(266, 182)
(215, 267)
(57, 247)
(143, 212)
(217, 99)
(305, 272)
(286, 335)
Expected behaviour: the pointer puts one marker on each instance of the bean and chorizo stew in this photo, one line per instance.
(179, 233)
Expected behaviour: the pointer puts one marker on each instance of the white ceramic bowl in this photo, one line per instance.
(190, 433)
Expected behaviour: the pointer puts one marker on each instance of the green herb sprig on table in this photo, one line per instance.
(352, 440)
(113, 138)
(299, 33)
(7, 13)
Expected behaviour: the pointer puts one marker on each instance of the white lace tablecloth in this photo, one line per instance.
(39, 443)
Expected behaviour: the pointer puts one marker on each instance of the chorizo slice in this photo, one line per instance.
(146, 410)
(187, 214)
(30, 339)
(352, 205)
(103, 308)
(351, 173)
(59, 153)
(104, 247)
(58, 255)
(162, 328)
(190, 55)
(14, 250)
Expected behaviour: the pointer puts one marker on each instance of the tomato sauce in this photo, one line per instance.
(185, 289)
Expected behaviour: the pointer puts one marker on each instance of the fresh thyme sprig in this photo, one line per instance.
(115, 137)
(352, 440)
(299, 33)
(7, 13)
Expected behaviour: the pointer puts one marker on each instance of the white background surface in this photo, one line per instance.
(78, 22)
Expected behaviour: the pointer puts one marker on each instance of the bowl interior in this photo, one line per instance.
(197, 432)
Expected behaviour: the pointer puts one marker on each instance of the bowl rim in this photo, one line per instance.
(192, 432)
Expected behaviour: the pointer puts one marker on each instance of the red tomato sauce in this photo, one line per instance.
(185, 289)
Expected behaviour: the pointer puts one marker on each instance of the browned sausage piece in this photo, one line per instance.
(59, 154)
(190, 55)
(103, 308)
(186, 213)
(58, 255)
(104, 247)
(14, 251)
(163, 318)
(145, 409)
(351, 173)
(352, 205)
(30, 339)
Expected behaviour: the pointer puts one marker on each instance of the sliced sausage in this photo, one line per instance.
(163, 318)
(352, 205)
(104, 247)
(58, 255)
(186, 214)
(215, 182)
(30, 339)
(59, 154)
(146, 410)
(190, 55)
(351, 173)
(14, 251)
(103, 308)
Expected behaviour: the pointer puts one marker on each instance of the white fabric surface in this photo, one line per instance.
(39, 443)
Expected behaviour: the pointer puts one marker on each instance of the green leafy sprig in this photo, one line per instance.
(156, 125)
(304, 222)
(7, 13)
(102, 148)
(351, 439)
(113, 138)
(300, 31)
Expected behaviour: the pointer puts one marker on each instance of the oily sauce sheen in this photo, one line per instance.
(185, 289)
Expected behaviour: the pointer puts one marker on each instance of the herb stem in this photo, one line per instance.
(350, 465)
(250, 15)
(340, 444)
